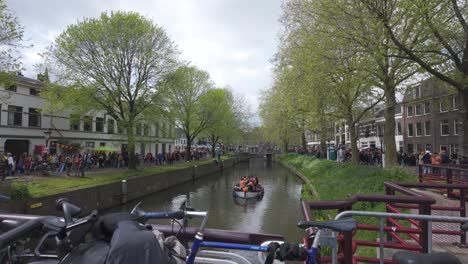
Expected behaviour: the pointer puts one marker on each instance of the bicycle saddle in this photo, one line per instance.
(408, 257)
(342, 225)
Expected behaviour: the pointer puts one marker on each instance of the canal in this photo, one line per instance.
(277, 213)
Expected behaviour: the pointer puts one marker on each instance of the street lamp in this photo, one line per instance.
(382, 149)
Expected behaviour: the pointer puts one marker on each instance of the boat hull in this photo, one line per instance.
(247, 195)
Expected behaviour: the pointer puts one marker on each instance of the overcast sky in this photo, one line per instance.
(232, 39)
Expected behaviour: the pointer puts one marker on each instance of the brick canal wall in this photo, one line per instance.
(109, 195)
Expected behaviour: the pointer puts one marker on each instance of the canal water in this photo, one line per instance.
(277, 213)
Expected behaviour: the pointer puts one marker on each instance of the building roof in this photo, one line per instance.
(29, 81)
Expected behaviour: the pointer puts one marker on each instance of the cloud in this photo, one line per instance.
(232, 40)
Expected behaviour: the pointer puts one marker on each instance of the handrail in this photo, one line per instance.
(382, 216)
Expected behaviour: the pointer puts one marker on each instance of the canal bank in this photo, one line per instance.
(109, 195)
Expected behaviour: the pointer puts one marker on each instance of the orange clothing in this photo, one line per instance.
(436, 159)
(242, 184)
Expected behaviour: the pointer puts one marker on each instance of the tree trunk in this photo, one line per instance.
(131, 145)
(303, 140)
(353, 140)
(323, 143)
(389, 132)
(213, 145)
(464, 95)
(188, 150)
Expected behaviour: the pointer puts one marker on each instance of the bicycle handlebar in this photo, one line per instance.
(13, 235)
(164, 215)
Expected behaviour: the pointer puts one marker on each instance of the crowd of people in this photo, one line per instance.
(372, 156)
(77, 163)
(248, 183)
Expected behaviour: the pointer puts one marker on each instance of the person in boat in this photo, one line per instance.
(256, 181)
(242, 182)
(251, 183)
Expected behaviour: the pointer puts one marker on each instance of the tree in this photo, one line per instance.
(441, 43)
(224, 121)
(331, 70)
(184, 90)
(276, 122)
(11, 35)
(359, 26)
(114, 64)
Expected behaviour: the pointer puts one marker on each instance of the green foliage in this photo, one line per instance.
(335, 181)
(11, 35)
(184, 90)
(113, 64)
(20, 191)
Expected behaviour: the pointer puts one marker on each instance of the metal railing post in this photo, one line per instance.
(388, 191)
(449, 181)
(463, 212)
(420, 170)
(424, 209)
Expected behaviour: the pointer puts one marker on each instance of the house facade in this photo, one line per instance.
(433, 118)
(25, 127)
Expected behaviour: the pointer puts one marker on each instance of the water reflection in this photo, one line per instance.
(277, 213)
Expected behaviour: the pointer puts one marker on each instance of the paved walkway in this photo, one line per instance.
(94, 171)
(446, 243)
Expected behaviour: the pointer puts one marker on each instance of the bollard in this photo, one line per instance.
(124, 192)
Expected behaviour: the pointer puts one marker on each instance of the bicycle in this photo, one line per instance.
(274, 249)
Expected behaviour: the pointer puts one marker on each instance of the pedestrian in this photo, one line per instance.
(426, 159)
(82, 165)
(2, 166)
(10, 165)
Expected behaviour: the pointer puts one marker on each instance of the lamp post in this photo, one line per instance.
(47, 134)
(382, 149)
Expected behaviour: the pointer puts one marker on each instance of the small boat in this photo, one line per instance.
(256, 193)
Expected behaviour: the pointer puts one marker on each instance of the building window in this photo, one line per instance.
(400, 145)
(410, 130)
(456, 102)
(410, 148)
(427, 108)
(398, 128)
(74, 122)
(110, 126)
(427, 128)
(457, 126)
(88, 123)
(418, 129)
(89, 144)
(11, 88)
(444, 147)
(444, 128)
(372, 144)
(145, 130)
(157, 129)
(418, 147)
(409, 111)
(102, 144)
(428, 147)
(418, 109)
(33, 91)
(15, 115)
(138, 129)
(443, 106)
(454, 149)
(417, 92)
(34, 117)
(99, 124)
(120, 127)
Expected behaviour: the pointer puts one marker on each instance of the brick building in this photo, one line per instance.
(432, 118)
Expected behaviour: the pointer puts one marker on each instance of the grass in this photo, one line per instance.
(42, 187)
(335, 181)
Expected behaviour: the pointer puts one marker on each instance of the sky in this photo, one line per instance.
(234, 40)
